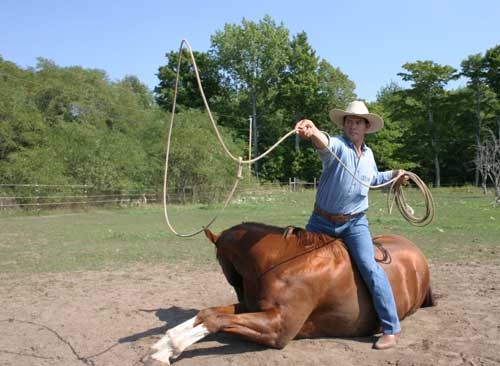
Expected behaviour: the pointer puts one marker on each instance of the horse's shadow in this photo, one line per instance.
(174, 316)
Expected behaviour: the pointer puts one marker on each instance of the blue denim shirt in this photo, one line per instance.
(338, 192)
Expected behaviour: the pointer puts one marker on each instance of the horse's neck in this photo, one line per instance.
(262, 250)
(269, 251)
(276, 249)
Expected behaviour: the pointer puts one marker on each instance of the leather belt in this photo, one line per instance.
(336, 218)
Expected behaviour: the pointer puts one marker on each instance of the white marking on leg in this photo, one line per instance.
(174, 347)
(174, 333)
(163, 356)
(193, 336)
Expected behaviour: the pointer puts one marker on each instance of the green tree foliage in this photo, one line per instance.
(299, 84)
(188, 94)
(474, 69)
(428, 80)
(196, 158)
(388, 144)
(21, 123)
(492, 69)
(252, 57)
(336, 90)
(73, 126)
(270, 77)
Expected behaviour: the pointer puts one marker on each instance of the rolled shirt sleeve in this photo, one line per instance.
(334, 145)
(380, 177)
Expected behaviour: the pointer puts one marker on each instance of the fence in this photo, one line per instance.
(43, 196)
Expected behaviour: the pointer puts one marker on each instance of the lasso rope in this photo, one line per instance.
(404, 208)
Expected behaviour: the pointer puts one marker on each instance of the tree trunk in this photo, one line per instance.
(478, 132)
(255, 133)
(298, 117)
(437, 179)
(432, 128)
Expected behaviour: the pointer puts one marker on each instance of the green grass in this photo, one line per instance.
(466, 229)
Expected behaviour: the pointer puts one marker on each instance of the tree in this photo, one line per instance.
(188, 94)
(336, 89)
(140, 90)
(197, 161)
(490, 158)
(428, 81)
(492, 69)
(474, 68)
(252, 57)
(22, 125)
(70, 125)
(299, 84)
(388, 144)
(253, 68)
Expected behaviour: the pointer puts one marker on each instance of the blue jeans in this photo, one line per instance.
(358, 240)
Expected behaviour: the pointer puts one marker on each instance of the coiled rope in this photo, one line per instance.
(404, 208)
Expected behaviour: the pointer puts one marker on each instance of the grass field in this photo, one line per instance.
(466, 229)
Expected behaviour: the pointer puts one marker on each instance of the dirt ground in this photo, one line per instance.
(112, 318)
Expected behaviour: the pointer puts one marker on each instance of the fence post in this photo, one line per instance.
(314, 184)
(37, 191)
(85, 194)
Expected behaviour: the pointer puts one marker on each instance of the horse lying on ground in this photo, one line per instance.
(292, 283)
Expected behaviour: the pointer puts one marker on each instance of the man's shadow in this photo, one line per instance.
(174, 316)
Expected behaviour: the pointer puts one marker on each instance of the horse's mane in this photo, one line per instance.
(304, 238)
(262, 227)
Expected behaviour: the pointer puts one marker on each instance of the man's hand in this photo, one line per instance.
(306, 129)
(403, 179)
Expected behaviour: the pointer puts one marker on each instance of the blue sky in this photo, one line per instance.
(367, 40)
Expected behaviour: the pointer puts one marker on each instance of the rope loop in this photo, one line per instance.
(405, 210)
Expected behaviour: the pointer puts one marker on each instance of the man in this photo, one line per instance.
(341, 202)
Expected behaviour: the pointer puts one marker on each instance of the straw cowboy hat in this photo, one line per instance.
(357, 108)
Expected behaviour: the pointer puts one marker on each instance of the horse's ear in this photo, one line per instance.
(211, 236)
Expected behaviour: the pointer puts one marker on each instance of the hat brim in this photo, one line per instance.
(376, 122)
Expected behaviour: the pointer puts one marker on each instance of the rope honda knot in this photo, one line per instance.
(239, 175)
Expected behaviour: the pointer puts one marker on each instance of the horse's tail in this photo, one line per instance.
(430, 299)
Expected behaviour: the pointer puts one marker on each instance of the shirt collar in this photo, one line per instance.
(351, 144)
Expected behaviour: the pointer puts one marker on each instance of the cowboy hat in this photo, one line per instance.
(357, 108)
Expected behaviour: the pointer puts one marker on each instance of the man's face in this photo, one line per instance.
(355, 128)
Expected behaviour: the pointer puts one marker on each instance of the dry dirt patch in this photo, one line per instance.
(111, 318)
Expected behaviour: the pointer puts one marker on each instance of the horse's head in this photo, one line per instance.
(226, 259)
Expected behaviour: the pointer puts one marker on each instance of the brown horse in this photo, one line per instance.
(292, 283)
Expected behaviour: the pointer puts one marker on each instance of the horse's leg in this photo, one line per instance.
(190, 324)
(173, 347)
(185, 334)
(173, 333)
(273, 328)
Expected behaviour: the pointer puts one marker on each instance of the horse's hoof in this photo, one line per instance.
(162, 356)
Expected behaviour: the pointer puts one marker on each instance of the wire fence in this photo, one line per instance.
(49, 196)
(44, 196)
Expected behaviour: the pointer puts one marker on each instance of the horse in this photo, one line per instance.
(292, 283)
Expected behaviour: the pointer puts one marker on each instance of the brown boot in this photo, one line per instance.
(387, 341)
